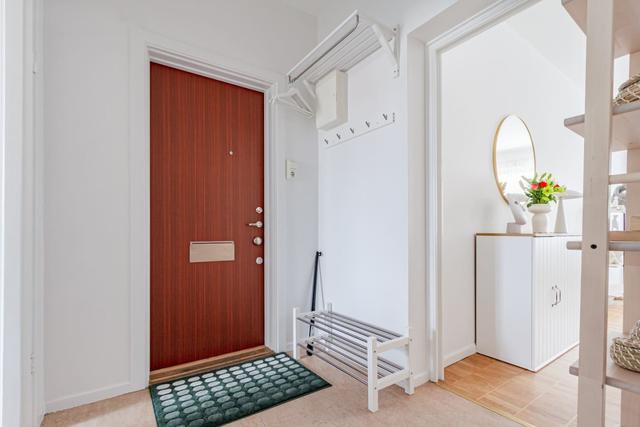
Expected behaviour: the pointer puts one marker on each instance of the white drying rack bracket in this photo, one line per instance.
(294, 99)
(354, 130)
(355, 348)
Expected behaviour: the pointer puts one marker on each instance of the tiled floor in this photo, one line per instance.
(546, 398)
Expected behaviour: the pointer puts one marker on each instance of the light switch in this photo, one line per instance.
(292, 169)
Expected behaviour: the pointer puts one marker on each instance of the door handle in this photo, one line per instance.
(257, 224)
(555, 289)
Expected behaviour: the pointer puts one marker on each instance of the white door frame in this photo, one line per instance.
(145, 48)
(435, 47)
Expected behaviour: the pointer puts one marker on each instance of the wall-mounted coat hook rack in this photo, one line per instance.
(356, 129)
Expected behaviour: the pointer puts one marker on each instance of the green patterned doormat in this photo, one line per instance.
(227, 394)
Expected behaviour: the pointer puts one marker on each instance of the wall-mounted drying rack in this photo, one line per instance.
(352, 41)
(355, 347)
(355, 39)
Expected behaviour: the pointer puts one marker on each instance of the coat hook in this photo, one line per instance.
(326, 141)
(338, 135)
(385, 116)
(367, 123)
(352, 131)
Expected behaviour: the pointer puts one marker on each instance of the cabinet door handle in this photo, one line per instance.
(556, 302)
(560, 293)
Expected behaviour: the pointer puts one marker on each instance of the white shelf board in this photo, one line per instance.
(624, 178)
(625, 23)
(626, 125)
(618, 377)
(352, 41)
(619, 246)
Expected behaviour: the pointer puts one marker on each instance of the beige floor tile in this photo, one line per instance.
(479, 361)
(498, 374)
(473, 386)
(535, 380)
(521, 392)
(499, 403)
(458, 371)
(547, 411)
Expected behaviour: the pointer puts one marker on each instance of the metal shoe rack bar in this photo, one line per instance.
(354, 347)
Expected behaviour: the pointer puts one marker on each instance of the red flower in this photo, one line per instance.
(534, 186)
(542, 184)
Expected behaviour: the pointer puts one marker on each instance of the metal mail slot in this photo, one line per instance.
(212, 251)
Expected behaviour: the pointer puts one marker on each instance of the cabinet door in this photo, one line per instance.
(556, 298)
(546, 278)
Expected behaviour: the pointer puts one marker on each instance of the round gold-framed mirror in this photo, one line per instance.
(514, 155)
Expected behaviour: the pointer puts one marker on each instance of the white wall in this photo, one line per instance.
(364, 206)
(87, 288)
(561, 40)
(298, 217)
(484, 79)
(372, 188)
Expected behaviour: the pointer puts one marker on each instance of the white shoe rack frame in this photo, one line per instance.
(355, 348)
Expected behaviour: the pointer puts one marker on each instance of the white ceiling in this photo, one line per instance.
(389, 12)
(312, 7)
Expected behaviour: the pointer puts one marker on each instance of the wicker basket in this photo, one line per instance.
(635, 331)
(625, 352)
(629, 91)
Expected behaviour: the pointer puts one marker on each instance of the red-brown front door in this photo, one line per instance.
(206, 186)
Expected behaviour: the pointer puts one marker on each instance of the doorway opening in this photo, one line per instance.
(538, 76)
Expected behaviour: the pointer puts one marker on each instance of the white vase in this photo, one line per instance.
(540, 222)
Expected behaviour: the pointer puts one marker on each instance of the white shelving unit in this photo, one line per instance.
(616, 376)
(355, 348)
(625, 129)
(613, 30)
(626, 15)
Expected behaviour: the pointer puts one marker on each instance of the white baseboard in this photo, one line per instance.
(78, 399)
(459, 354)
(421, 378)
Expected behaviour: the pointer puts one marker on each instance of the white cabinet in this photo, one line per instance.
(527, 298)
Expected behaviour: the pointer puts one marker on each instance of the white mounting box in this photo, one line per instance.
(331, 100)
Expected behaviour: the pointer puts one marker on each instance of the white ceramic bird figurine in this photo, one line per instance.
(517, 205)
